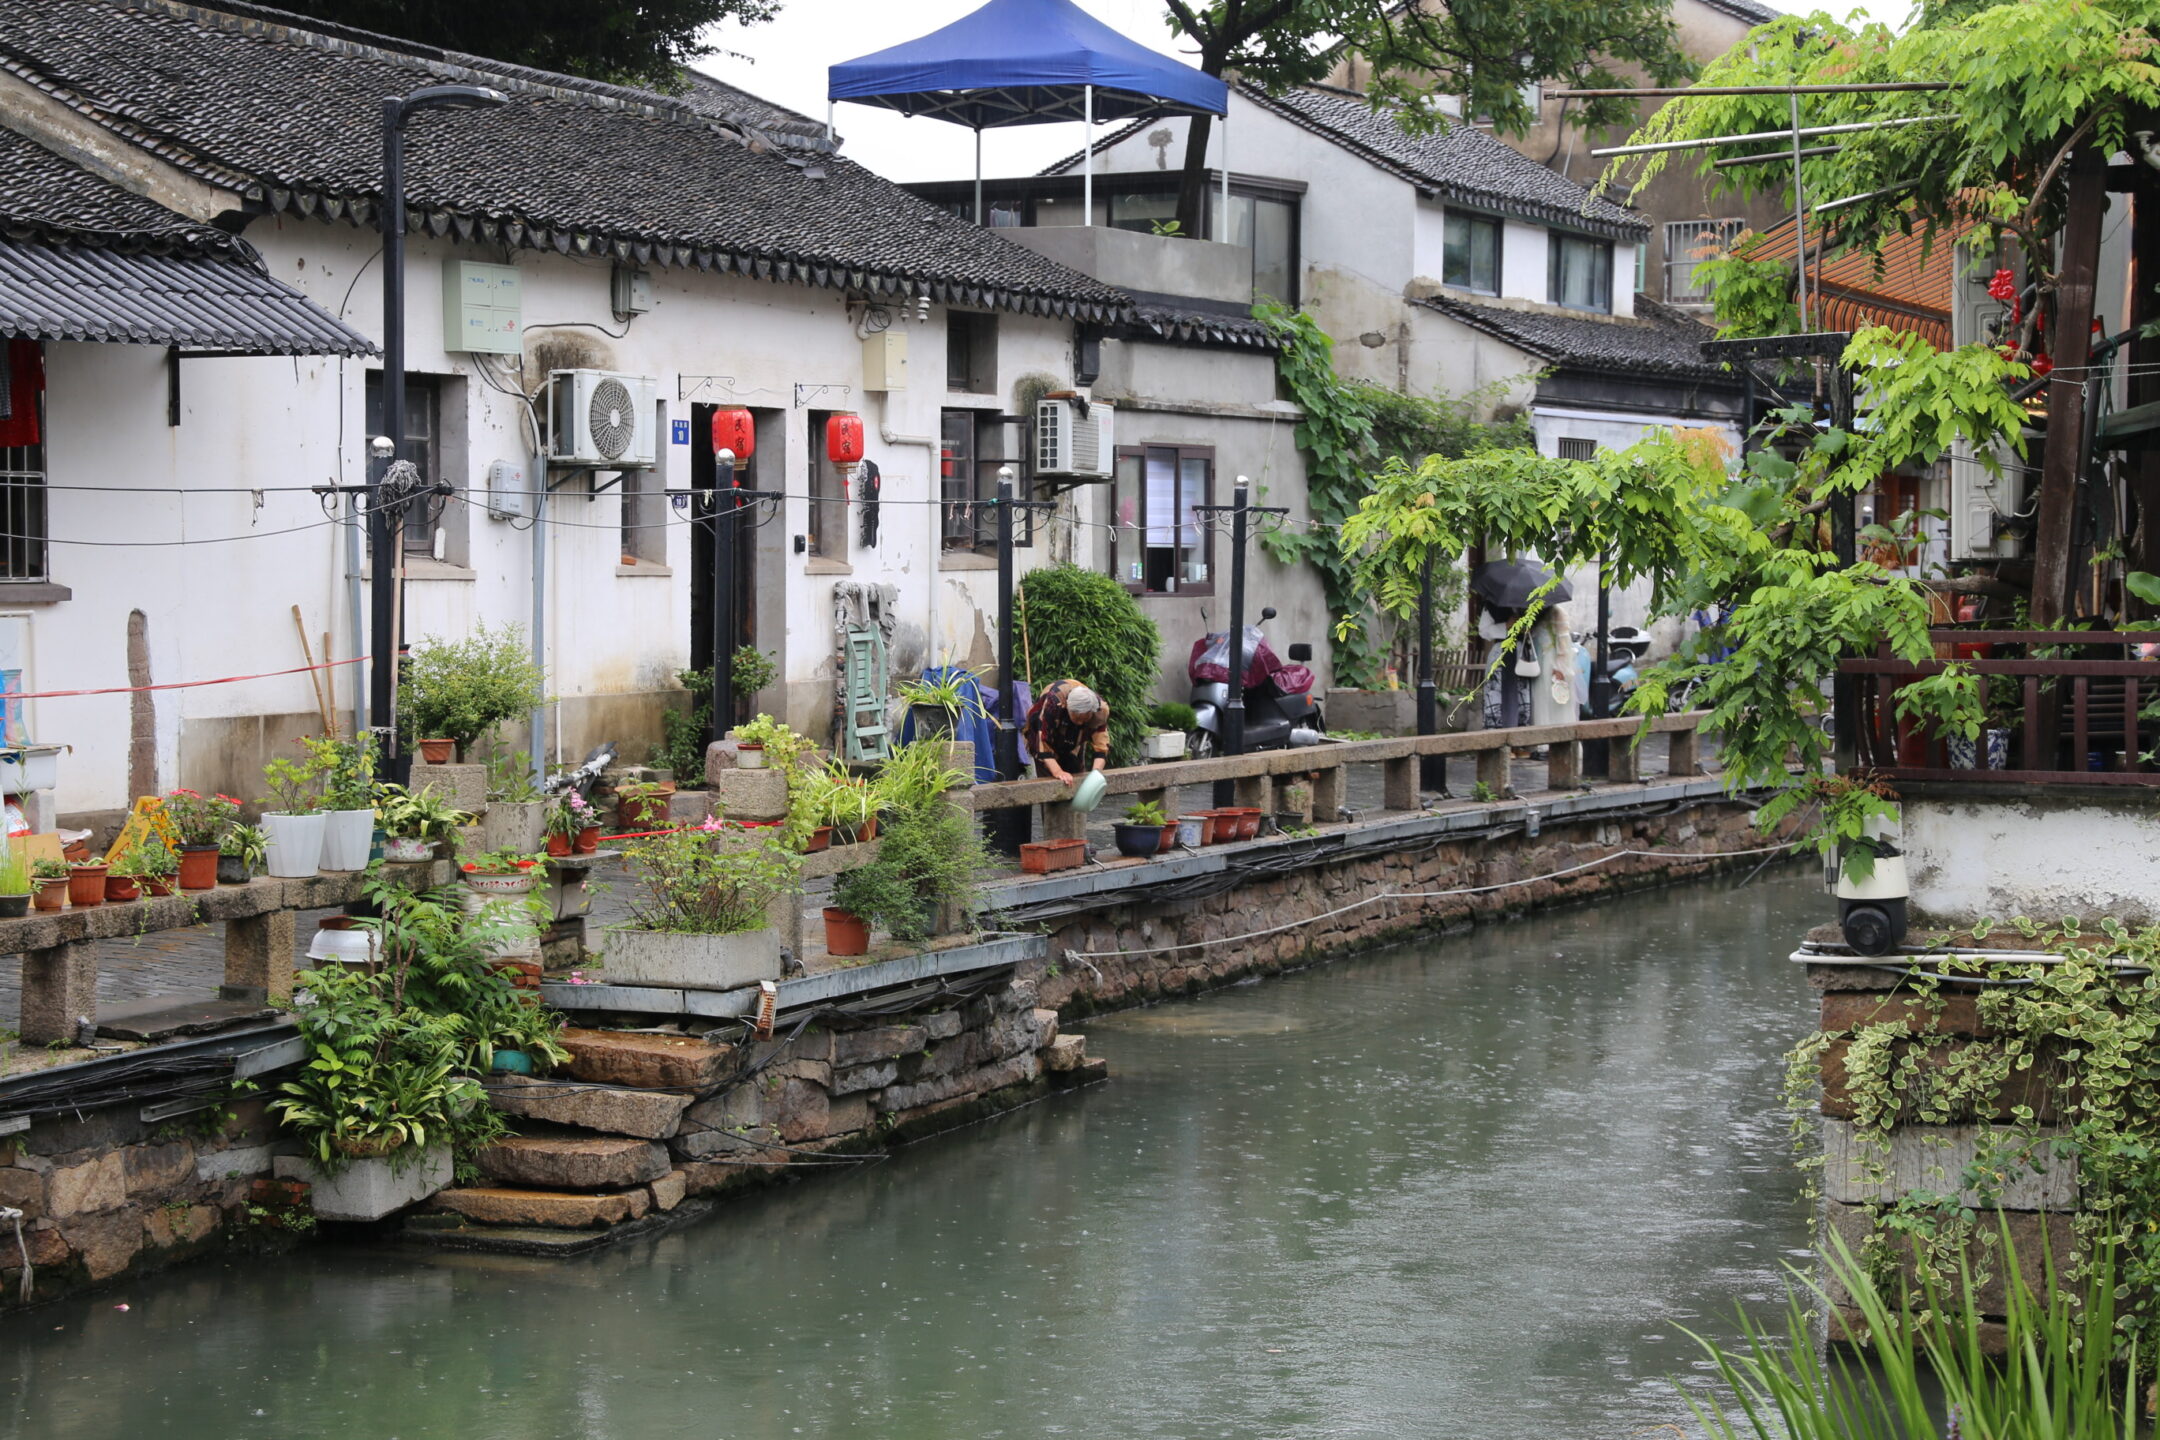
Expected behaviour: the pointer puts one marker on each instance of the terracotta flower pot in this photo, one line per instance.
(122, 887)
(437, 752)
(559, 845)
(86, 885)
(637, 815)
(156, 885)
(846, 933)
(198, 867)
(49, 894)
(588, 841)
(820, 839)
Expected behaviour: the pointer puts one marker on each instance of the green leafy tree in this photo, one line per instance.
(640, 43)
(1483, 52)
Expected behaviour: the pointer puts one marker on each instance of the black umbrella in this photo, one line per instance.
(1509, 584)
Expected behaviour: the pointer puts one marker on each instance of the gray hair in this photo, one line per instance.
(1082, 701)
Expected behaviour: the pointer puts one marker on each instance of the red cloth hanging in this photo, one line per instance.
(26, 381)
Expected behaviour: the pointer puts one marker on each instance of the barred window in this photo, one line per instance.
(1687, 244)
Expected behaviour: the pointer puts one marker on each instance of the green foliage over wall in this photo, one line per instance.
(1350, 430)
(1083, 626)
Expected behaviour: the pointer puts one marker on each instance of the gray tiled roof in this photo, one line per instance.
(1659, 340)
(1747, 10)
(1192, 325)
(1461, 163)
(289, 119)
(83, 259)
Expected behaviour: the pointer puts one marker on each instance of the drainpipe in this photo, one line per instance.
(355, 633)
(537, 467)
(930, 445)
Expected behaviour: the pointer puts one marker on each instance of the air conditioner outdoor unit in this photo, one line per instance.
(1067, 444)
(600, 419)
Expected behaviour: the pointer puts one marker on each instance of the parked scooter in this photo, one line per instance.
(1280, 709)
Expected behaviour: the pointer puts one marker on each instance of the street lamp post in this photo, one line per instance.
(386, 502)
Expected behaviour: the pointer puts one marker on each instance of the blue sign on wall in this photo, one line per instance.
(681, 429)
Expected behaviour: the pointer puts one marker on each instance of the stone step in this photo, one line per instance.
(609, 1109)
(651, 1062)
(496, 1205)
(573, 1162)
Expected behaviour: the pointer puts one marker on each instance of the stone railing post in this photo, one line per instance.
(1563, 765)
(1327, 793)
(1684, 758)
(259, 957)
(1492, 769)
(1398, 784)
(1624, 765)
(59, 987)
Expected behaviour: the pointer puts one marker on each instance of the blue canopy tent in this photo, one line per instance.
(1029, 62)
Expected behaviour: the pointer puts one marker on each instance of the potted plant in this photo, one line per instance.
(516, 815)
(1143, 830)
(642, 805)
(241, 851)
(762, 741)
(847, 802)
(123, 875)
(413, 825)
(86, 883)
(347, 768)
(699, 917)
(460, 690)
(1169, 724)
(752, 670)
(501, 872)
(937, 699)
(872, 893)
(49, 884)
(925, 877)
(156, 866)
(200, 821)
(569, 816)
(292, 821)
(14, 882)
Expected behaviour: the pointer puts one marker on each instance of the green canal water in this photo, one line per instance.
(1473, 1187)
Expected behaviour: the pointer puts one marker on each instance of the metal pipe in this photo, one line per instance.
(1087, 158)
(1006, 697)
(1233, 716)
(536, 470)
(1813, 130)
(1432, 769)
(722, 521)
(1799, 215)
(382, 534)
(1841, 203)
(978, 178)
(1775, 156)
(355, 620)
(1689, 92)
(1225, 174)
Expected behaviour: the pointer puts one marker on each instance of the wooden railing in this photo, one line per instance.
(2075, 719)
(1323, 768)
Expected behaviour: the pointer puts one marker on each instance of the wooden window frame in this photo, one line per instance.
(1182, 453)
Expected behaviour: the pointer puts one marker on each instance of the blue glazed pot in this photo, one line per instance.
(512, 1062)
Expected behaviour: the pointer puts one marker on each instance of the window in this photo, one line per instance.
(828, 496)
(22, 461)
(1574, 449)
(976, 444)
(1142, 211)
(421, 444)
(644, 510)
(1266, 226)
(970, 354)
(1581, 272)
(1470, 252)
(1687, 244)
(1159, 543)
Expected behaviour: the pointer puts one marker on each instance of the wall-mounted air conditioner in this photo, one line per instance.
(1071, 444)
(600, 419)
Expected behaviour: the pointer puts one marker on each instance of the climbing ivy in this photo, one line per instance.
(2066, 1067)
(1350, 430)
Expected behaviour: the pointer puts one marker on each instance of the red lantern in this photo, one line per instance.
(733, 429)
(844, 439)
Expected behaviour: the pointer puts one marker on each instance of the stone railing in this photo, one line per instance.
(60, 955)
(1323, 767)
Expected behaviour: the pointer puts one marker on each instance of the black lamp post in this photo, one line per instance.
(386, 504)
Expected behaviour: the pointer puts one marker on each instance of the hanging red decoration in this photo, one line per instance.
(22, 369)
(844, 439)
(733, 429)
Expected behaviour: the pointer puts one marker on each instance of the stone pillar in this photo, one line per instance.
(1624, 763)
(1492, 770)
(1563, 765)
(59, 987)
(1683, 757)
(1257, 792)
(1398, 784)
(259, 957)
(1327, 794)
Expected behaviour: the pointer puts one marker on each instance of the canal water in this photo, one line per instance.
(1472, 1187)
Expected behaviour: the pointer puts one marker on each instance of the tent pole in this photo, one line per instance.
(1224, 234)
(978, 177)
(829, 107)
(1087, 159)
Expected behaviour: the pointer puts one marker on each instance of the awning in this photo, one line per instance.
(1026, 62)
(190, 301)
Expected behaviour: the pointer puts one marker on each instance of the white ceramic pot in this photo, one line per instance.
(499, 900)
(407, 849)
(750, 757)
(295, 845)
(347, 837)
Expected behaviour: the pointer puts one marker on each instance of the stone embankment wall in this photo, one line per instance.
(1080, 976)
(104, 1194)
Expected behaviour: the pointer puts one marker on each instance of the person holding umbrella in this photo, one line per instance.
(1534, 682)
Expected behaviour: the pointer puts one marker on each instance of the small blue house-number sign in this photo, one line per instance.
(681, 432)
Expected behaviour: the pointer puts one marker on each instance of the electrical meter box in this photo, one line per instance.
(884, 361)
(483, 308)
